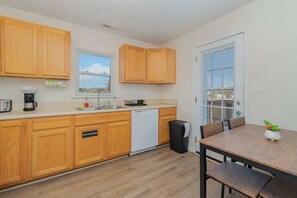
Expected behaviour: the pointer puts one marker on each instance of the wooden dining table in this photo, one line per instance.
(248, 145)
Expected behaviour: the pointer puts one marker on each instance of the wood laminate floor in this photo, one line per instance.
(159, 173)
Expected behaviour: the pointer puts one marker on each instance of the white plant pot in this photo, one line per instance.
(271, 135)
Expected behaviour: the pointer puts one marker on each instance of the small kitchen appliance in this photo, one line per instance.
(29, 98)
(5, 105)
(135, 103)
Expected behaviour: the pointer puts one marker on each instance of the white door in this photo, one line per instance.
(221, 74)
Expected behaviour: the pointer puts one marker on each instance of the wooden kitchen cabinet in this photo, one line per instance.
(51, 145)
(151, 66)
(118, 139)
(33, 51)
(161, 65)
(89, 144)
(165, 115)
(132, 64)
(19, 48)
(55, 47)
(13, 152)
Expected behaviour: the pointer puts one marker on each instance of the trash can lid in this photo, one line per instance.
(178, 122)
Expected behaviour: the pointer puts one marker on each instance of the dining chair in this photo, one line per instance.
(236, 122)
(234, 176)
(278, 188)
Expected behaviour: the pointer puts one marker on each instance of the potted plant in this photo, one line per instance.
(272, 131)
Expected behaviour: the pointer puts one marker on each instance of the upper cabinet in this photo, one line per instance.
(161, 65)
(132, 64)
(35, 51)
(20, 48)
(154, 66)
(55, 50)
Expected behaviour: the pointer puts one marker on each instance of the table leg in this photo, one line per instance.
(202, 171)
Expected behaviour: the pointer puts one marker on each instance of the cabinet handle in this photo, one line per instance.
(87, 134)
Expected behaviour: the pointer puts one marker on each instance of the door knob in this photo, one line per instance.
(238, 113)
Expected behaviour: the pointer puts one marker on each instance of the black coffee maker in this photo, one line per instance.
(29, 98)
(29, 102)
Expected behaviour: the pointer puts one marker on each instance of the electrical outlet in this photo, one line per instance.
(257, 87)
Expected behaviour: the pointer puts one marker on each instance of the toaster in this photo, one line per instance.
(5, 105)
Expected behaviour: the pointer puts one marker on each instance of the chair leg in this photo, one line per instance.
(223, 191)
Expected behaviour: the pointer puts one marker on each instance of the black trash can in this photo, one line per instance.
(179, 135)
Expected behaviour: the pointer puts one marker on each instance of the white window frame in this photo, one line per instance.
(111, 56)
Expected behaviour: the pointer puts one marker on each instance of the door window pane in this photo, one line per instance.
(206, 114)
(228, 78)
(216, 114)
(229, 57)
(217, 96)
(209, 62)
(207, 97)
(228, 114)
(217, 79)
(217, 60)
(228, 97)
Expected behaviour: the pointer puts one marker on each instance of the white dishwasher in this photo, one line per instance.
(144, 130)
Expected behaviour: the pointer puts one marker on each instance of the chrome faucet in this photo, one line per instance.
(100, 90)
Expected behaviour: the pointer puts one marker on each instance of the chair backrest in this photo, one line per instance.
(236, 122)
(211, 129)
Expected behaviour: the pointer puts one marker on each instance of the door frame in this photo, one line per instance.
(197, 69)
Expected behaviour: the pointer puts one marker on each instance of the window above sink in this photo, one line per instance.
(94, 72)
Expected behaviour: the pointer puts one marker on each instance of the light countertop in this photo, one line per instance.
(63, 111)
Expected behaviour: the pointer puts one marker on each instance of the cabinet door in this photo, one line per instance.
(170, 74)
(118, 139)
(164, 137)
(132, 64)
(156, 65)
(55, 46)
(51, 151)
(89, 144)
(13, 152)
(20, 48)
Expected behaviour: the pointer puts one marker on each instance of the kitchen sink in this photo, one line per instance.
(101, 108)
(112, 107)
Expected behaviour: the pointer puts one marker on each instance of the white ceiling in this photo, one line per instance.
(153, 21)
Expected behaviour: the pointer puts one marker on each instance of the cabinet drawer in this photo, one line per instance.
(51, 123)
(167, 111)
(89, 119)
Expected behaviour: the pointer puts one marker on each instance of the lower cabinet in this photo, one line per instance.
(51, 151)
(51, 145)
(165, 115)
(118, 139)
(89, 144)
(13, 152)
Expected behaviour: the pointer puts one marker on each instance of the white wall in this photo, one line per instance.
(81, 37)
(271, 38)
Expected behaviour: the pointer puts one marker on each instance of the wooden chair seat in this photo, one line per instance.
(279, 188)
(239, 178)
